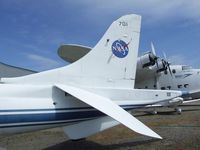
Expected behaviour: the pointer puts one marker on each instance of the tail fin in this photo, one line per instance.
(115, 56)
(111, 62)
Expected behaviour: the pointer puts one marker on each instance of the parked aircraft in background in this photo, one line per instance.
(87, 96)
(156, 73)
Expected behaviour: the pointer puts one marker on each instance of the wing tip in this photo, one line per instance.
(151, 133)
(155, 135)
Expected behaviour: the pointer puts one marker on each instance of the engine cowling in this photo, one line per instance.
(160, 66)
(175, 102)
(147, 60)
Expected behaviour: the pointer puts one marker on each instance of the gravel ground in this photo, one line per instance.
(179, 132)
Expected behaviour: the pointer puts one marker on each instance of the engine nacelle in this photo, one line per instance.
(160, 66)
(176, 102)
(148, 59)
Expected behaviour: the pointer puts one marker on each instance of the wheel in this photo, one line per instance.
(178, 110)
(78, 140)
(154, 112)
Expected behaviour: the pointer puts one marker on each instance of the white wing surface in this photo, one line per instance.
(111, 109)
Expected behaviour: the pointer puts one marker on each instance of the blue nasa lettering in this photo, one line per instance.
(120, 49)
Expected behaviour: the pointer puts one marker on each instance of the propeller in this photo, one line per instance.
(153, 49)
(166, 63)
(164, 55)
(156, 58)
(161, 64)
(154, 54)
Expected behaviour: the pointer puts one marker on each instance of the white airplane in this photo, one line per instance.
(87, 96)
(155, 73)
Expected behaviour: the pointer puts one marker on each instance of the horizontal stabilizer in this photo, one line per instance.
(72, 53)
(109, 108)
(87, 128)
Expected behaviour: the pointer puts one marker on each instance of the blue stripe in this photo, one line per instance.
(22, 118)
(35, 119)
(53, 109)
(39, 124)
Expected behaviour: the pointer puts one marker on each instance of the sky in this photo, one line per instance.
(32, 30)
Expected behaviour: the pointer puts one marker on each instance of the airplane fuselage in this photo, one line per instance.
(26, 108)
(183, 78)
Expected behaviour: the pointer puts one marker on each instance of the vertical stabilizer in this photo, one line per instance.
(114, 57)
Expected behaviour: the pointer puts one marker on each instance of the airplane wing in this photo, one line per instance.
(72, 53)
(191, 101)
(109, 108)
(7, 71)
(183, 102)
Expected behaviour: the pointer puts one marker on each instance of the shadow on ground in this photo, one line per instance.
(84, 144)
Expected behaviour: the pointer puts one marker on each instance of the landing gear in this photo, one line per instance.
(154, 112)
(178, 110)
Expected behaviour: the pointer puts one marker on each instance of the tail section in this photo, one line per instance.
(111, 62)
(114, 57)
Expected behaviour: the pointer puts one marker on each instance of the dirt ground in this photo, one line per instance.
(179, 132)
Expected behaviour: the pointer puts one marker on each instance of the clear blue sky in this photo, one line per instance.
(32, 30)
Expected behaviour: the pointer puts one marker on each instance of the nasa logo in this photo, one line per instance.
(120, 49)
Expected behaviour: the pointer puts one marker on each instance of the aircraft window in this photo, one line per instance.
(169, 87)
(179, 86)
(168, 94)
(186, 85)
(173, 71)
(162, 88)
(154, 86)
(146, 87)
(186, 67)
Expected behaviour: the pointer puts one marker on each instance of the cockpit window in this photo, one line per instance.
(162, 88)
(179, 86)
(186, 85)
